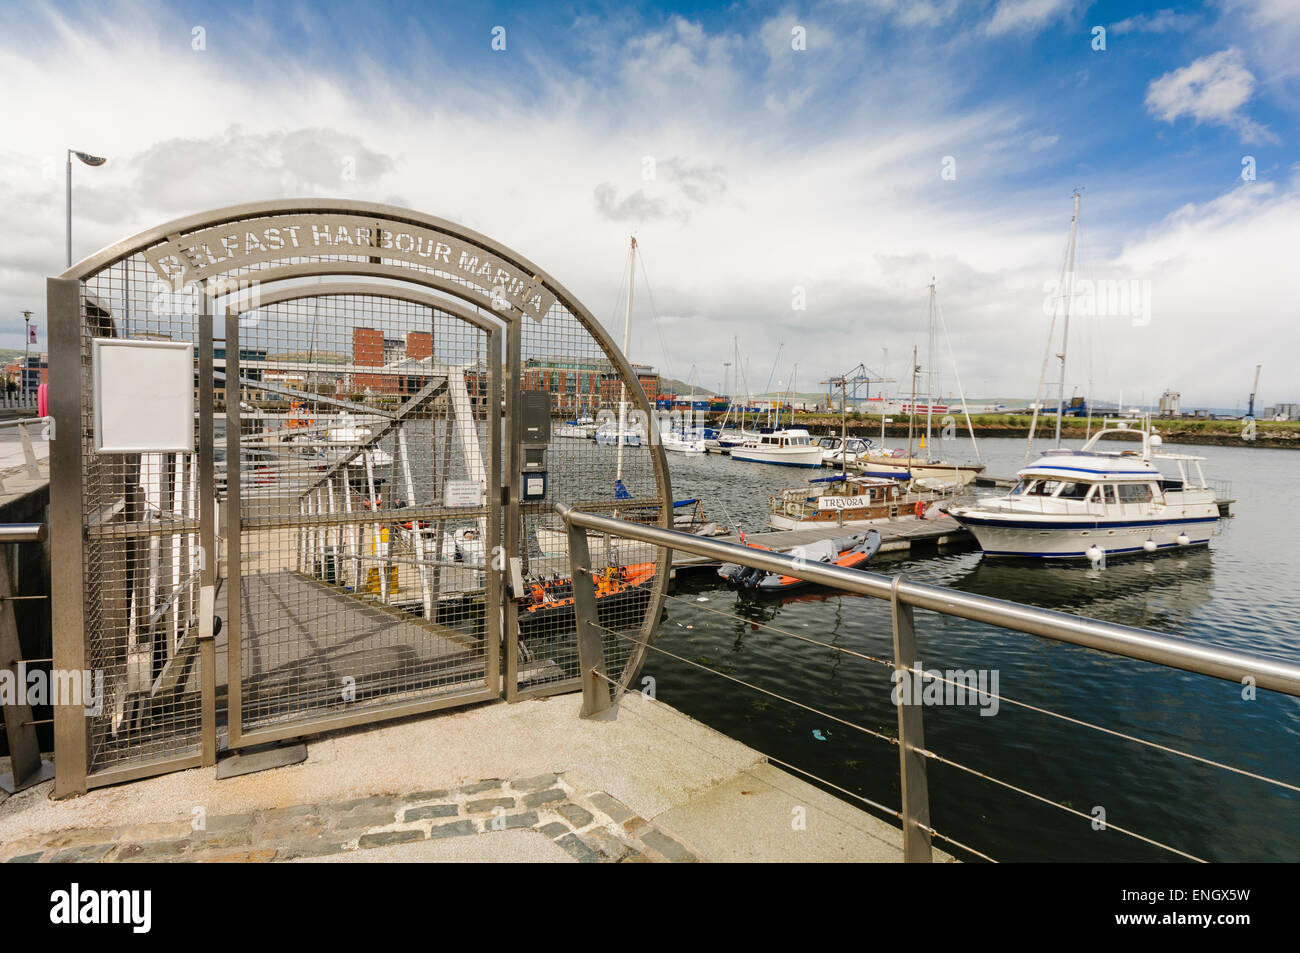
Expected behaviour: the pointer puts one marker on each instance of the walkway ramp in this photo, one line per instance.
(306, 642)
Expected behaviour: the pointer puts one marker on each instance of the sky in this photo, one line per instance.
(796, 175)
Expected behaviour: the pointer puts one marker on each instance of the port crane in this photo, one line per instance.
(850, 383)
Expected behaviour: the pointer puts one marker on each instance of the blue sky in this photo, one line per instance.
(776, 167)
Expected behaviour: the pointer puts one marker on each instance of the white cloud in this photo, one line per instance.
(1212, 89)
(923, 13)
(1021, 16)
(1162, 21)
(1217, 270)
(744, 205)
(1270, 29)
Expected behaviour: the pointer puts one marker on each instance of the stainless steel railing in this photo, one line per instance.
(30, 461)
(905, 596)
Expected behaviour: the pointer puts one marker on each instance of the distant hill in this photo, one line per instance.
(669, 385)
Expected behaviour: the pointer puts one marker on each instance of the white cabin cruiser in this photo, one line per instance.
(788, 448)
(835, 453)
(580, 428)
(1092, 504)
(341, 443)
(682, 441)
(609, 435)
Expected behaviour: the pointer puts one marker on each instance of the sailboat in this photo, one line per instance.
(683, 439)
(1067, 271)
(790, 447)
(729, 438)
(607, 434)
(903, 465)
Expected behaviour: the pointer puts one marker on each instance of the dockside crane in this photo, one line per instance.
(850, 384)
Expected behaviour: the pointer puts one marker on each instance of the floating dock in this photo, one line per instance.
(905, 534)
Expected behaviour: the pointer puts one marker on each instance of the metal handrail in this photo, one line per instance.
(904, 596)
(29, 452)
(21, 532)
(1130, 641)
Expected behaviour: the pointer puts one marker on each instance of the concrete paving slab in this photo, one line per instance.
(684, 791)
(767, 815)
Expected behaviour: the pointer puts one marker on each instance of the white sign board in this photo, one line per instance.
(144, 396)
(841, 502)
(462, 493)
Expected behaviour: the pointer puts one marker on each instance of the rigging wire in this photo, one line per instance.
(654, 315)
(938, 308)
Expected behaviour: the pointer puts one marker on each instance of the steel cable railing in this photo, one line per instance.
(925, 752)
(1135, 643)
(938, 676)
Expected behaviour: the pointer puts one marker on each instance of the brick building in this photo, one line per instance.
(370, 348)
(582, 387)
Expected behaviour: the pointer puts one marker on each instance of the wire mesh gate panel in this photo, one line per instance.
(144, 549)
(365, 476)
(604, 457)
(364, 518)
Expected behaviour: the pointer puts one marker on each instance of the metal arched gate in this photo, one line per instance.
(352, 506)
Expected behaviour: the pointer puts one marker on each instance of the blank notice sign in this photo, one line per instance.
(144, 396)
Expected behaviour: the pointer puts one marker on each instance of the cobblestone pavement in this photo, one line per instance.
(592, 828)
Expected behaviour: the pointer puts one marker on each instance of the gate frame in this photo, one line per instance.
(490, 690)
(65, 317)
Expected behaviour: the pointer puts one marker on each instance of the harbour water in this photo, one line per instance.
(1240, 593)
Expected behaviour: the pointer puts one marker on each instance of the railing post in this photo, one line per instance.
(26, 767)
(911, 735)
(591, 645)
(29, 453)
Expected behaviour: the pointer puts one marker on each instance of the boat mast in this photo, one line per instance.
(785, 399)
(965, 408)
(731, 387)
(884, 361)
(735, 380)
(1065, 332)
(911, 416)
(844, 436)
(1051, 333)
(929, 376)
(622, 387)
(770, 375)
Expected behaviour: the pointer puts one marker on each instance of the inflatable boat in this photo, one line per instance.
(851, 552)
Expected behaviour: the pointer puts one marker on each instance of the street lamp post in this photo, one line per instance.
(89, 160)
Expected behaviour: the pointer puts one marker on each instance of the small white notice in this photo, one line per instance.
(462, 493)
(839, 502)
(144, 396)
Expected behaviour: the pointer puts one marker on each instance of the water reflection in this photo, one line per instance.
(1161, 591)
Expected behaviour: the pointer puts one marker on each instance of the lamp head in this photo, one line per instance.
(87, 158)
